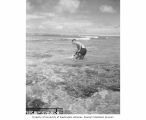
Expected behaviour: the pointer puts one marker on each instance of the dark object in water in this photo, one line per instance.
(36, 104)
(81, 91)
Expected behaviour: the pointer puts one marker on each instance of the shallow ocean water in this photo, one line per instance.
(88, 86)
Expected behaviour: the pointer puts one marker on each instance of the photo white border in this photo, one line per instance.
(12, 64)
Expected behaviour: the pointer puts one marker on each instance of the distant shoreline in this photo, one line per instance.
(46, 34)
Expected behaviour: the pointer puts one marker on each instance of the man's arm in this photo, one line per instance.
(78, 47)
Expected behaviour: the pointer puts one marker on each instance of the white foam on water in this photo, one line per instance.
(90, 36)
(78, 38)
(84, 37)
(71, 57)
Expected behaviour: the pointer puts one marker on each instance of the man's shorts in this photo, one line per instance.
(83, 51)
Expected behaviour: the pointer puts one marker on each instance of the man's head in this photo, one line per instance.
(74, 40)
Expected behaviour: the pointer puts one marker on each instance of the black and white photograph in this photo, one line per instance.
(73, 57)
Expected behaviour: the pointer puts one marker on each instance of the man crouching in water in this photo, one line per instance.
(81, 50)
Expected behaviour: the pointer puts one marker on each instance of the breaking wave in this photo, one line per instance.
(84, 37)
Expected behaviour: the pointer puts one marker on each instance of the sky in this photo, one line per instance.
(73, 16)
